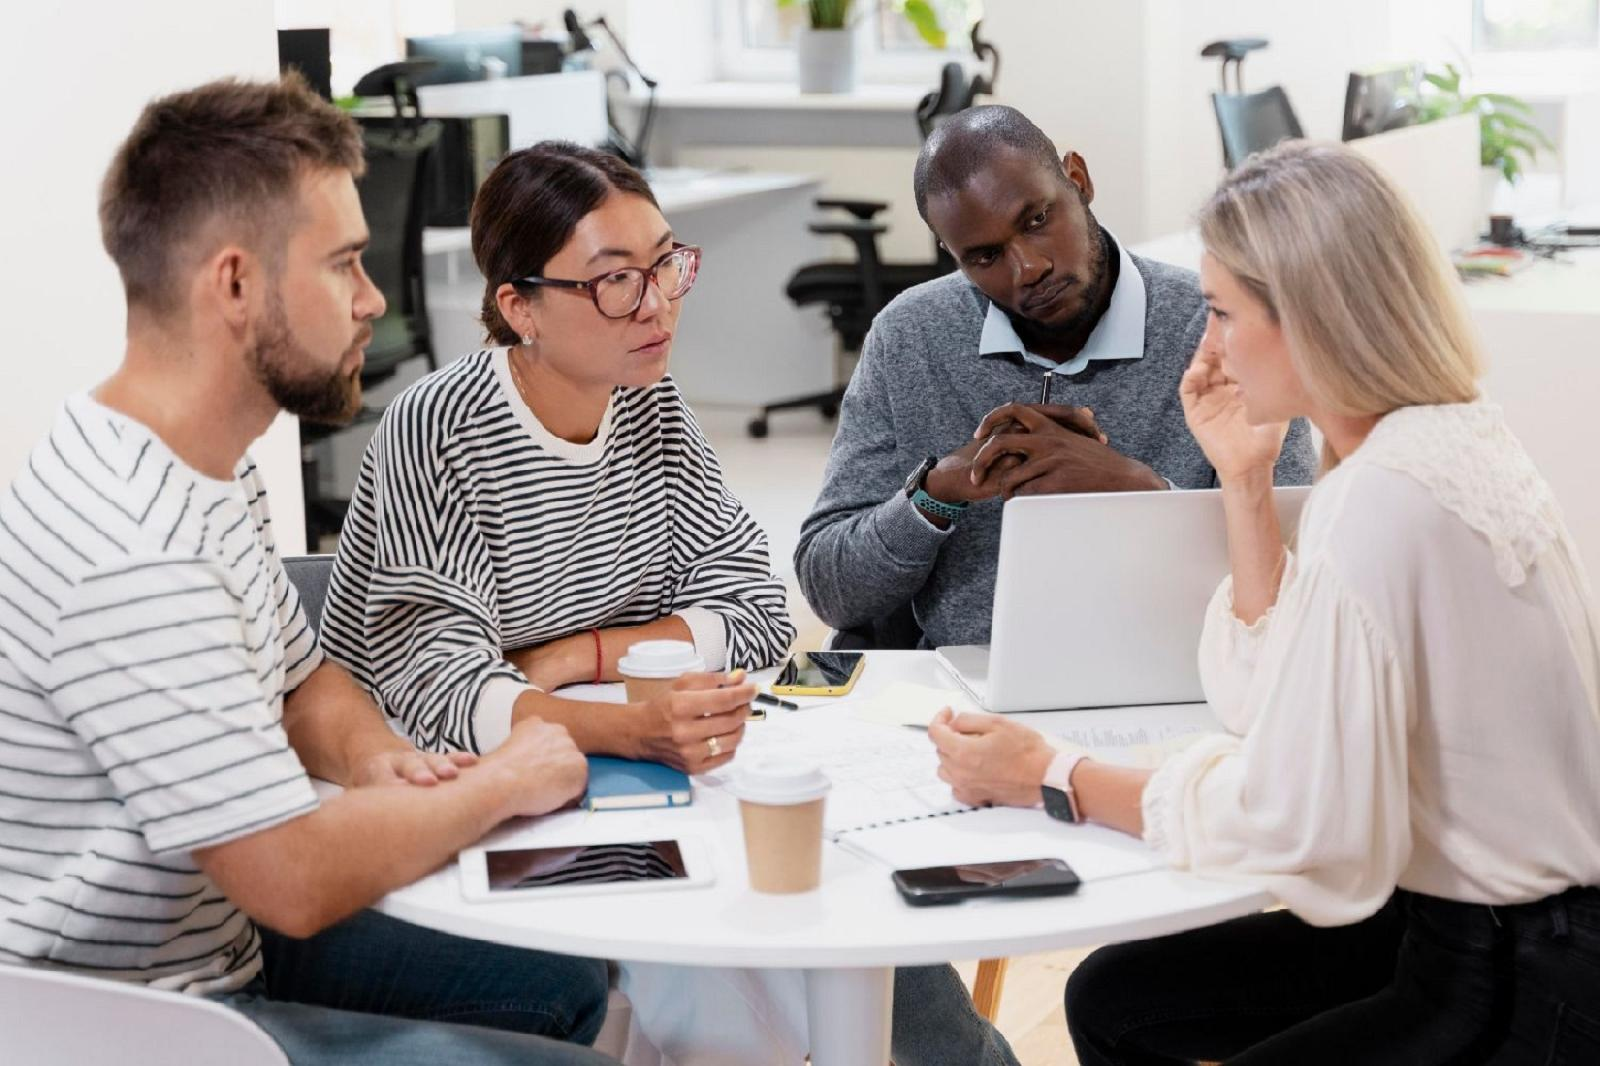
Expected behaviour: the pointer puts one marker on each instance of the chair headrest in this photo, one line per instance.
(955, 93)
(1233, 48)
(384, 80)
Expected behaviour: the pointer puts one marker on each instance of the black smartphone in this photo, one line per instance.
(952, 884)
(819, 673)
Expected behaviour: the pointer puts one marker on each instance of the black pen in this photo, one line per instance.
(1044, 391)
(771, 700)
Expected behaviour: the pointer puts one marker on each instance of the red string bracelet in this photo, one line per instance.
(599, 658)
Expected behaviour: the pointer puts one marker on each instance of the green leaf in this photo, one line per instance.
(925, 20)
(825, 14)
(1519, 144)
(1502, 100)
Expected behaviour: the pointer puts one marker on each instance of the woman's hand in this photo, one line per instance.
(697, 725)
(987, 758)
(1215, 412)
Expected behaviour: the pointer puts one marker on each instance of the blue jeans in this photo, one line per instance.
(373, 989)
(1422, 982)
(935, 1023)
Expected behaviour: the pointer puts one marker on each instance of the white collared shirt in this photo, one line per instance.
(1118, 335)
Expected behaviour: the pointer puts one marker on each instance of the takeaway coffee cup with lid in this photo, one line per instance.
(651, 666)
(780, 803)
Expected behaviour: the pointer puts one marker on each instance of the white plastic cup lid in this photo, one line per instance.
(777, 781)
(660, 658)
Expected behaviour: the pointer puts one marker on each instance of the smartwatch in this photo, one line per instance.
(922, 501)
(1060, 802)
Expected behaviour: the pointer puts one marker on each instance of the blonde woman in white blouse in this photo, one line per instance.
(1412, 755)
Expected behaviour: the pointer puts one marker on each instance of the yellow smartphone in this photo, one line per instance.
(819, 673)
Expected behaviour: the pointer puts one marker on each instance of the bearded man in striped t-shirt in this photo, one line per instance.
(163, 701)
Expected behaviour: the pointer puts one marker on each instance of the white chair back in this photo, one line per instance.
(57, 1019)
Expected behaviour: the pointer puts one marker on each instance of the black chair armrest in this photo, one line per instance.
(862, 209)
(849, 229)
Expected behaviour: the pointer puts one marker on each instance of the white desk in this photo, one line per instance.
(739, 340)
(851, 932)
(1541, 335)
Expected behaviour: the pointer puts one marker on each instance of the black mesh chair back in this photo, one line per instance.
(393, 195)
(955, 93)
(854, 291)
(394, 199)
(1253, 122)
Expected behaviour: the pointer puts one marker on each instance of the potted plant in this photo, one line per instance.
(1507, 139)
(826, 51)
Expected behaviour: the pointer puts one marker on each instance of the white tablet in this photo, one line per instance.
(583, 866)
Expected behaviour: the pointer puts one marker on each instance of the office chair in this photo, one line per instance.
(394, 200)
(1248, 122)
(52, 1018)
(310, 574)
(854, 291)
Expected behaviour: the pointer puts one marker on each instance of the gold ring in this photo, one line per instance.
(714, 746)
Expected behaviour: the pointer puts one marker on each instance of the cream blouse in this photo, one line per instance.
(1420, 707)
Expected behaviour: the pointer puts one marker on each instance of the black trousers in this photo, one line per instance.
(1424, 981)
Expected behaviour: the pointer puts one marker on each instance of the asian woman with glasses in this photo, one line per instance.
(525, 514)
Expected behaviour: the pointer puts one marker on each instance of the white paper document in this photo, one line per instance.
(906, 704)
(888, 804)
(877, 772)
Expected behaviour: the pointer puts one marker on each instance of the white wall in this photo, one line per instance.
(1313, 49)
(1077, 69)
(62, 326)
(473, 14)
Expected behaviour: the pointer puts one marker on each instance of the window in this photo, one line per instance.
(756, 40)
(1534, 25)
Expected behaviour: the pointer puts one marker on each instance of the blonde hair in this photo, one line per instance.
(1369, 305)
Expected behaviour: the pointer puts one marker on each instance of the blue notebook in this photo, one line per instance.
(617, 784)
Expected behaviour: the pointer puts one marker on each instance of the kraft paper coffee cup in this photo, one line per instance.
(651, 666)
(781, 804)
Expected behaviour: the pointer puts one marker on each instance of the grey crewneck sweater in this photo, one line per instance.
(920, 389)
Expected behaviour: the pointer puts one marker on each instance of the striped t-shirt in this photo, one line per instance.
(147, 637)
(473, 530)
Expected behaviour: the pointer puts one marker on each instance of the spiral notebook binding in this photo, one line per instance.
(886, 823)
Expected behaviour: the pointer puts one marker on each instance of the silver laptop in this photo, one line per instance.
(1100, 598)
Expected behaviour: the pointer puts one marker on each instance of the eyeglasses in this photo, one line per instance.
(618, 293)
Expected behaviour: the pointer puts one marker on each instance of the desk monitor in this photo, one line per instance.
(471, 55)
(1380, 99)
(542, 57)
(307, 51)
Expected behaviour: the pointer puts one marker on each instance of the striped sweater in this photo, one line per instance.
(473, 530)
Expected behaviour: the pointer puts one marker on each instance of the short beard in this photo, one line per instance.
(326, 397)
(1100, 263)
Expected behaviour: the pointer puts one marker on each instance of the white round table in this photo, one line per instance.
(850, 933)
